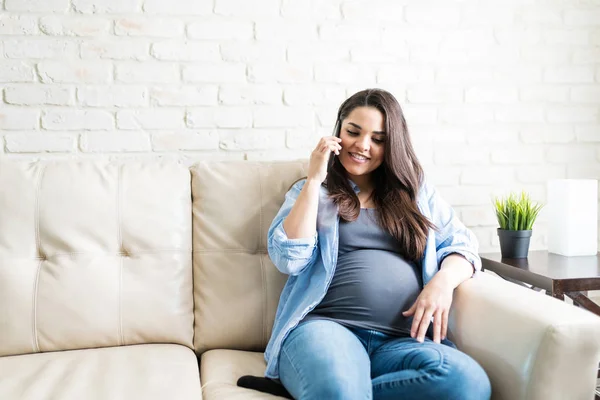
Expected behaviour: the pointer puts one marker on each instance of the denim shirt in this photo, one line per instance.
(310, 262)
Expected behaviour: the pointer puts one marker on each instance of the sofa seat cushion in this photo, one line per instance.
(220, 370)
(149, 371)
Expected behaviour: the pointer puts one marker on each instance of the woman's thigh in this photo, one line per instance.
(404, 368)
(321, 359)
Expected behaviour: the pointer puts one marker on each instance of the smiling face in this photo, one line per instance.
(363, 143)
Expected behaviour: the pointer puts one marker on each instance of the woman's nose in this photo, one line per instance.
(363, 143)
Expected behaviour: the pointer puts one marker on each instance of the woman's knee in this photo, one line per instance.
(324, 378)
(469, 380)
(458, 375)
(321, 360)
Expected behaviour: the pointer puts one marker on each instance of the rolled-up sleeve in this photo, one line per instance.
(452, 236)
(290, 256)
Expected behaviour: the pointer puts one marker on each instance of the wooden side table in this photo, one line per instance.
(558, 275)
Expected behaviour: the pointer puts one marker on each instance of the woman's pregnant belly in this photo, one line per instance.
(372, 287)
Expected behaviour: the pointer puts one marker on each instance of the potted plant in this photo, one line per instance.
(516, 215)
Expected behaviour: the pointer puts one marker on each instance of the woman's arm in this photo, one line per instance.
(457, 253)
(301, 222)
(290, 256)
(292, 237)
(436, 298)
(455, 269)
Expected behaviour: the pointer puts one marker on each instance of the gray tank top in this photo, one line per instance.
(372, 283)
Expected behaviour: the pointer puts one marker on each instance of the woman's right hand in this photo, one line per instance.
(301, 222)
(317, 167)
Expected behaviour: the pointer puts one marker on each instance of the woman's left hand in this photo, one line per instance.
(434, 301)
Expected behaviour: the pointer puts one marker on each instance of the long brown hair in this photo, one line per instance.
(396, 180)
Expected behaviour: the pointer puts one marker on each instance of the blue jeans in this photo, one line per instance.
(322, 359)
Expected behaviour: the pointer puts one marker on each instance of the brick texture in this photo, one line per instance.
(496, 97)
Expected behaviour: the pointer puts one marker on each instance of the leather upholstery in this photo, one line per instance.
(220, 370)
(96, 272)
(237, 287)
(148, 372)
(532, 346)
(94, 254)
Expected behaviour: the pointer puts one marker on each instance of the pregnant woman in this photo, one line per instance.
(373, 256)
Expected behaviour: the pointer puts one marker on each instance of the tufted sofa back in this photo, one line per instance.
(94, 254)
(97, 254)
(236, 287)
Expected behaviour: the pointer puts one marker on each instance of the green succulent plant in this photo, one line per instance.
(516, 212)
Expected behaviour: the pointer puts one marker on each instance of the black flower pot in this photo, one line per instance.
(514, 244)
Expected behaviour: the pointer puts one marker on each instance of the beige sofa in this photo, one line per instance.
(117, 277)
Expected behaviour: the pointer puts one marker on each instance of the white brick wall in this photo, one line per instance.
(497, 96)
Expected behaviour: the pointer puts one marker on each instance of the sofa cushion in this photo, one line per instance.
(220, 370)
(236, 288)
(150, 371)
(94, 254)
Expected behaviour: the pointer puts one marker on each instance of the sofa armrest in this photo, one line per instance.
(532, 346)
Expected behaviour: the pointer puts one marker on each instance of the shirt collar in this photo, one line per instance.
(354, 186)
